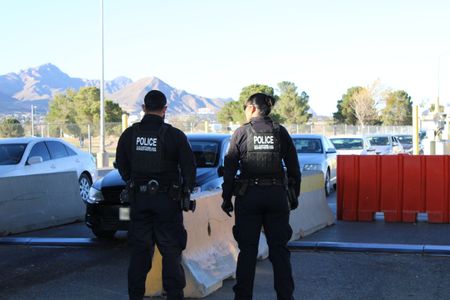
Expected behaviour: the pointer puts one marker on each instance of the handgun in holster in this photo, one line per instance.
(290, 190)
(186, 203)
(180, 192)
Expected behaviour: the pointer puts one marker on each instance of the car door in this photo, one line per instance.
(46, 166)
(60, 157)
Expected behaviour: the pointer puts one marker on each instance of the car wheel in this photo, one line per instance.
(327, 184)
(105, 234)
(85, 184)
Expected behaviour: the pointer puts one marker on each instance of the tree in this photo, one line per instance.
(345, 113)
(233, 111)
(363, 104)
(291, 107)
(10, 127)
(398, 110)
(81, 108)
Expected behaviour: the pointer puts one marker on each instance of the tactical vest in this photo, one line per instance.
(263, 158)
(148, 159)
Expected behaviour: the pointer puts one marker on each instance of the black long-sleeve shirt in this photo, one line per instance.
(176, 148)
(238, 150)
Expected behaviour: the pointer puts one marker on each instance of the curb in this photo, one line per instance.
(33, 241)
(370, 247)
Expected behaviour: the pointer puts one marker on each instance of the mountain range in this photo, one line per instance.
(37, 86)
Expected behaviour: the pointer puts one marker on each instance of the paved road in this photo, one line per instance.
(99, 271)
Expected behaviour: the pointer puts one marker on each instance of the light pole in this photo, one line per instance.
(102, 155)
(32, 119)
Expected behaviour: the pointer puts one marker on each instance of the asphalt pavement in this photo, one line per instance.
(97, 270)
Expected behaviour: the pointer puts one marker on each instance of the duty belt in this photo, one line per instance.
(151, 187)
(265, 181)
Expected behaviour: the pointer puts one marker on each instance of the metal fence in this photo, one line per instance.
(86, 136)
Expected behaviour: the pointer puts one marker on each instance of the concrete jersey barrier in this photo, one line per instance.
(211, 252)
(313, 212)
(39, 201)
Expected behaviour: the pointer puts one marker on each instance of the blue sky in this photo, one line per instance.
(214, 48)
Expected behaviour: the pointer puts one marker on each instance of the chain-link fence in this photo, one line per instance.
(86, 136)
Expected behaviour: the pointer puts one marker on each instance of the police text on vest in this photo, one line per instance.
(263, 142)
(148, 144)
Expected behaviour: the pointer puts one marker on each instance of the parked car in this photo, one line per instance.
(316, 153)
(352, 144)
(32, 155)
(105, 214)
(407, 142)
(385, 144)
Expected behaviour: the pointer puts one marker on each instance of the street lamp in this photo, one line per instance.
(33, 107)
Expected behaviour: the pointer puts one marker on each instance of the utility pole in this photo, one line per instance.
(32, 120)
(102, 155)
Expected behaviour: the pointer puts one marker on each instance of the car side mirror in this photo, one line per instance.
(35, 160)
(221, 171)
(331, 150)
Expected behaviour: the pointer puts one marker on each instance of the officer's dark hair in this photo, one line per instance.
(263, 103)
(154, 100)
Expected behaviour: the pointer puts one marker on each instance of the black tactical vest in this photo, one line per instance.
(148, 154)
(263, 158)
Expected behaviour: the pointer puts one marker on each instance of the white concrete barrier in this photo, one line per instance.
(38, 201)
(211, 252)
(313, 212)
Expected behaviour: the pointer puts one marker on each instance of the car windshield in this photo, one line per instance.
(206, 153)
(11, 154)
(304, 145)
(347, 143)
(379, 140)
(405, 139)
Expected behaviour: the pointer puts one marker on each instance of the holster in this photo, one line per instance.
(128, 193)
(186, 203)
(175, 191)
(290, 189)
(240, 187)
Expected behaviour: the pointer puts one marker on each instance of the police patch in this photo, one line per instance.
(263, 142)
(147, 144)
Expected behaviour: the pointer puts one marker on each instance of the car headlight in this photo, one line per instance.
(312, 167)
(95, 196)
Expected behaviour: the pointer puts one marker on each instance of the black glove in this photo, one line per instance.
(294, 203)
(227, 207)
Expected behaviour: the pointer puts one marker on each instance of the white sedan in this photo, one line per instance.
(316, 153)
(32, 155)
(352, 145)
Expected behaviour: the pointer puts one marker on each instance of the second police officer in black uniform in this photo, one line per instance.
(258, 149)
(154, 159)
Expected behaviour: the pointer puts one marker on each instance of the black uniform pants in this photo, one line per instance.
(156, 219)
(263, 206)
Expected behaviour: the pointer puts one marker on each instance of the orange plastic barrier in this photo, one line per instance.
(400, 186)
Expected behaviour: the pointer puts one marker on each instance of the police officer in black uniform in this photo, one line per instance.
(258, 149)
(153, 157)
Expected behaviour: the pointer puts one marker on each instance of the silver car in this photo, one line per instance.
(385, 144)
(33, 155)
(352, 145)
(316, 153)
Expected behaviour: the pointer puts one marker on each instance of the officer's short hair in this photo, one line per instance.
(155, 100)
